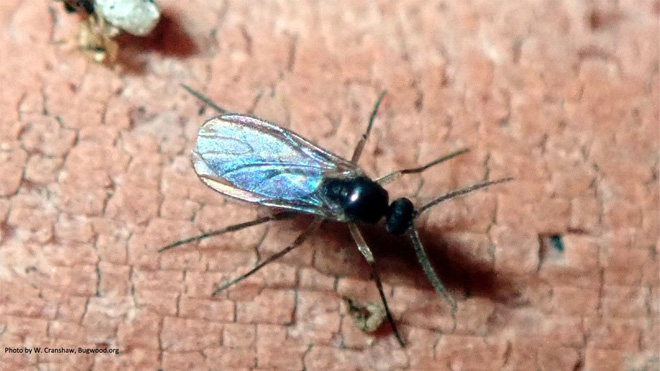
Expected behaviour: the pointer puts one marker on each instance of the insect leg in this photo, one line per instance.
(395, 175)
(297, 242)
(231, 228)
(428, 269)
(368, 255)
(203, 98)
(365, 136)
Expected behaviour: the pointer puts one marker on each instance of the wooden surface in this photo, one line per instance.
(555, 271)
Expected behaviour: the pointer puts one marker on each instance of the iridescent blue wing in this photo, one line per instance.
(256, 161)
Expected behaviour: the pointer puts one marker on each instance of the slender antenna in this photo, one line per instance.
(204, 99)
(360, 146)
(297, 242)
(459, 192)
(428, 269)
(395, 175)
(231, 228)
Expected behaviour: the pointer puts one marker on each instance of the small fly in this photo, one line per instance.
(255, 161)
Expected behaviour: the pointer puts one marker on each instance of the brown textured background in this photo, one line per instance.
(95, 176)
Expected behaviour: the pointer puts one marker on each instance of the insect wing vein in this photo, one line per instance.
(253, 160)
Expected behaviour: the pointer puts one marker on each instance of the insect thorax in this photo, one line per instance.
(360, 198)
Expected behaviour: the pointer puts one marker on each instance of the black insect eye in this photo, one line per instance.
(399, 216)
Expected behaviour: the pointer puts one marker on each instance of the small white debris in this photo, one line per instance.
(367, 317)
(136, 17)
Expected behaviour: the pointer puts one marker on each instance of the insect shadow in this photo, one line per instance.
(169, 38)
(455, 265)
(255, 161)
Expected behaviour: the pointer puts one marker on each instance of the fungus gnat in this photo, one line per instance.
(255, 161)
